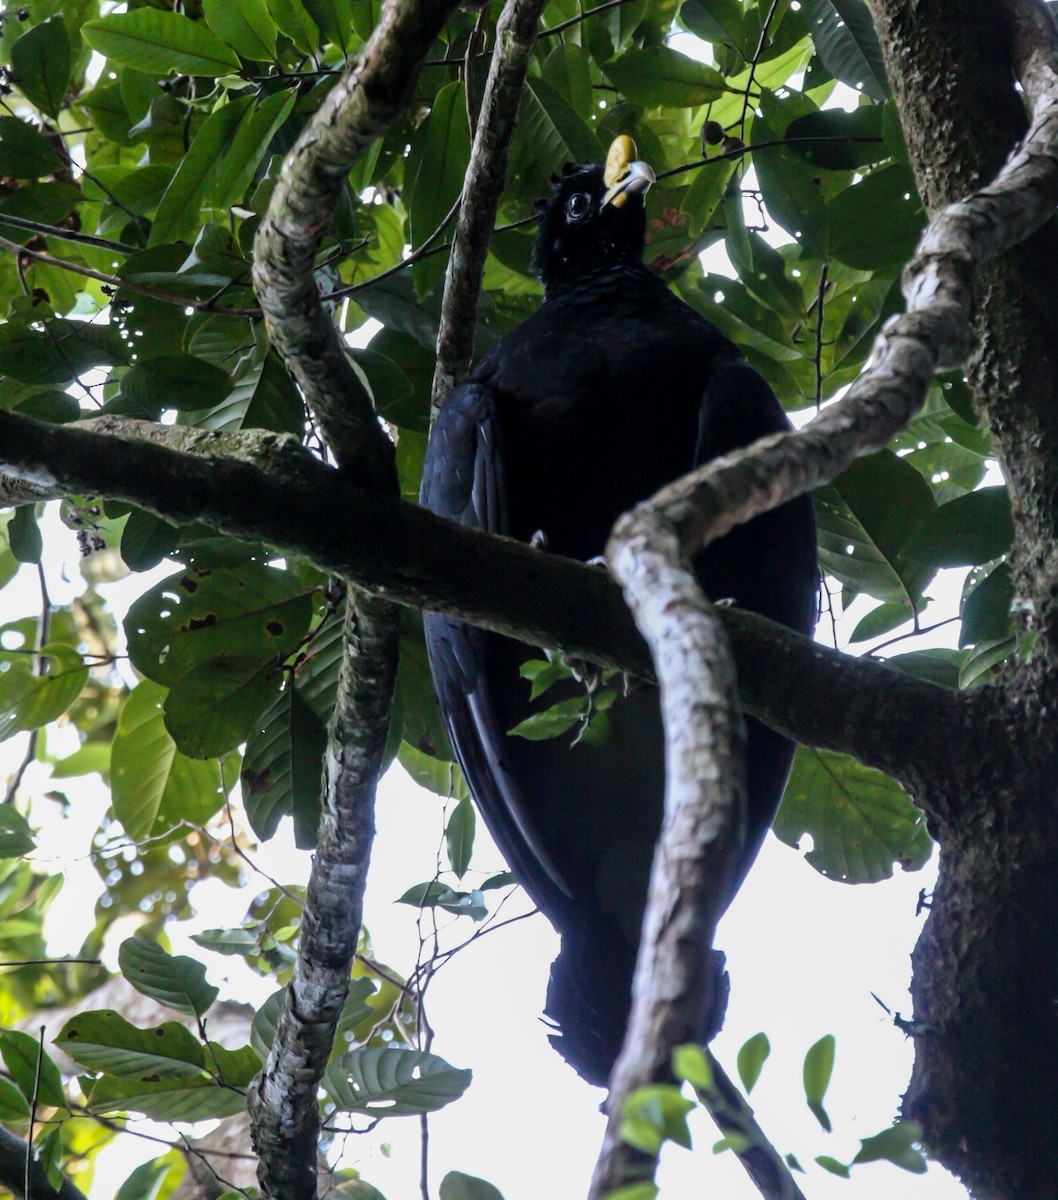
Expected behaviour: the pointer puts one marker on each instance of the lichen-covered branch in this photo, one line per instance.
(356, 112)
(516, 33)
(403, 553)
(283, 1101)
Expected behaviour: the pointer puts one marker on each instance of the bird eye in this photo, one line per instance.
(577, 205)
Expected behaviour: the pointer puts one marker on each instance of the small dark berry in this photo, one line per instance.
(712, 133)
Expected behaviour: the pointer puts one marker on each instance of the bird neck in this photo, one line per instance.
(559, 283)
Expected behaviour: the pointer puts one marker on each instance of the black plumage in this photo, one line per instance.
(612, 389)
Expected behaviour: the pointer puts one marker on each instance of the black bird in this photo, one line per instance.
(612, 389)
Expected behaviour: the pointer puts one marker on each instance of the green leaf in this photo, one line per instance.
(13, 1105)
(334, 18)
(159, 43)
(236, 942)
(986, 606)
(818, 1068)
(174, 980)
(875, 224)
(104, 1041)
(30, 701)
(25, 153)
(251, 141)
(49, 203)
(653, 1115)
(199, 170)
(179, 381)
(16, 836)
(459, 836)
(833, 1166)
(707, 190)
(245, 25)
(553, 721)
(393, 1082)
(197, 616)
(881, 620)
(549, 134)
(31, 1068)
(716, 21)
(281, 774)
(752, 1056)
(436, 167)
(57, 350)
(659, 76)
(457, 1186)
(966, 532)
(839, 140)
(895, 1145)
(216, 705)
(439, 895)
(169, 1100)
(41, 62)
(568, 70)
(860, 821)
(690, 1062)
(986, 661)
(23, 534)
(150, 778)
(846, 41)
(293, 19)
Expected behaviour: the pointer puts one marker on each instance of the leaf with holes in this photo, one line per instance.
(866, 519)
(197, 615)
(392, 1082)
(105, 1042)
(861, 822)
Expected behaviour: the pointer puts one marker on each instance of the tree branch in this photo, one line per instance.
(356, 112)
(482, 187)
(13, 1151)
(283, 1100)
(408, 555)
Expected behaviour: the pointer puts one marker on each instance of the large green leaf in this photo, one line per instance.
(282, 766)
(876, 223)
(179, 381)
(159, 42)
(104, 1041)
(860, 821)
(549, 134)
(57, 350)
(844, 37)
(173, 980)
(168, 1100)
(661, 76)
(29, 700)
(437, 165)
(866, 521)
(966, 532)
(245, 25)
(150, 778)
(198, 173)
(199, 615)
(41, 62)
(393, 1082)
(24, 152)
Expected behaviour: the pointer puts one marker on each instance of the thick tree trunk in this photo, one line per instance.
(985, 1083)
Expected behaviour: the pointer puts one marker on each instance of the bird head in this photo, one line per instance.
(595, 218)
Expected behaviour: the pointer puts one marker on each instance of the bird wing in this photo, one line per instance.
(464, 479)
